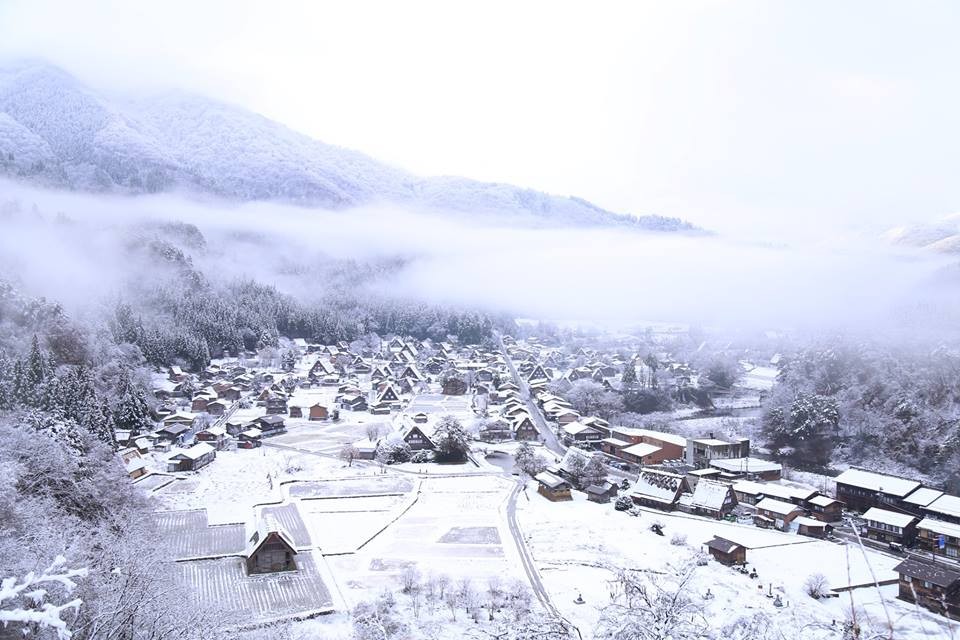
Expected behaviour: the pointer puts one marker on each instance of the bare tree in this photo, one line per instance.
(646, 609)
(348, 453)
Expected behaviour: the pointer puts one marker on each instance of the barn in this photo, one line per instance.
(269, 549)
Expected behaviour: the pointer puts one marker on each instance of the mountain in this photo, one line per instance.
(56, 131)
(941, 236)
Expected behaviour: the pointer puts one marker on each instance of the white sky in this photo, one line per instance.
(758, 114)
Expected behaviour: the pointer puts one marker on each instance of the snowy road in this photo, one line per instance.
(526, 560)
(546, 433)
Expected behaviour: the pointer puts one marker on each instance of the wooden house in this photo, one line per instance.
(602, 493)
(890, 526)
(250, 438)
(216, 408)
(812, 527)
(319, 412)
(271, 424)
(276, 404)
(726, 552)
(825, 508)
(524, 428)
(192, 459)
(932, 585)
(710, 498)
(748, 468)
(658, 489)
(172, 433)
(860, 489)
(776, 514)
(939, 537)
(199, 403)
(269, 549)
(945, 507)
(417, 439)
(216, 437)
(553, 487)
(295, 411)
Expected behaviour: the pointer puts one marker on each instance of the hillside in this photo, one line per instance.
(56, 131)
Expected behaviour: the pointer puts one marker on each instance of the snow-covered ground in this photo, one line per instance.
(579, 545)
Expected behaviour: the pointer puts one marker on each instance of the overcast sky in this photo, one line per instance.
(726, 114)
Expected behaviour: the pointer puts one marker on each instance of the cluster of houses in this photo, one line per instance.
(904, 513)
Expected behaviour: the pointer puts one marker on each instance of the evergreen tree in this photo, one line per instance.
(452, 440)
(131, 411)
(629, 377)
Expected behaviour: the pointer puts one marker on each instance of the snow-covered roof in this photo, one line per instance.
(711, 442)
(575, 428)
(746, 465)
(892, 518)
(947, 505)
(709, 494)
(136, 464)
(661, 486)
(770, 489)
(822, 501)
(722, 545)
(809, 522)
(923, 496)
(257, 534)
(252, 433)
(939, 526)
(365, 445)
(195, 452)
(776, 506)
(616, 442)
(891, 485)
(217, 431)
(642, 450)
(549, 480)
(671, 438)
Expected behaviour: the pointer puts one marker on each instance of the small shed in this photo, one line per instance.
(296, 412)
(812, 527)
(601, 493)
(553, 488)
(726, 552)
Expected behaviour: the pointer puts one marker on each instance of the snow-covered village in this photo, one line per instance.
(521, 321)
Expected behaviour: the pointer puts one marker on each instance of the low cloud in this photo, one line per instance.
(610, 277)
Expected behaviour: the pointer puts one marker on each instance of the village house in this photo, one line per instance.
(825, 508)
(276, 404)
(939, 537)
(776, 514)
(318, 412)
(366, 449)
(890, 526)
(726, 552)
(710, 498)
(216, 408)
(172, 433)
(748, 468)
(249, 438)
(295, 411)
(579, 432)
(417, 439)
(271, 424)
(860, 489)
(524, 429)
(192, 459)
(932, 585)
(602, 493)
(552, 487)
(750, 492)
(701, 451)
(269, 549)
(658, 489)
(919, 499)
(642, 454)
(945, 507)
(695, 475)
(812, 527)
(216, 437)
